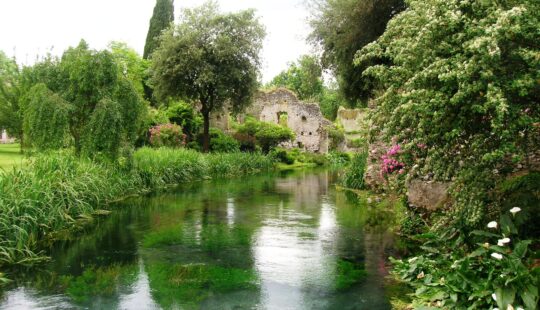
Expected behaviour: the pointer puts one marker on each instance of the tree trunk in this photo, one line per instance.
(206, 131)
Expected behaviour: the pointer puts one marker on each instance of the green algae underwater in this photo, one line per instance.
(279, 241)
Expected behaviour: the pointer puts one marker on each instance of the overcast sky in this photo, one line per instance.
(35, 27)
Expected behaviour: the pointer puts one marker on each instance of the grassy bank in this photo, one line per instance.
(53, 192)
(10, 155)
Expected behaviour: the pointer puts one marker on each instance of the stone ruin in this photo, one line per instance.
(281, 106)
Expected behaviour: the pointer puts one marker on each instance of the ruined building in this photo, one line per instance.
(281, 106)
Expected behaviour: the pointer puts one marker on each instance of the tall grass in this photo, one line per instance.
(354, 174)
(55, 190)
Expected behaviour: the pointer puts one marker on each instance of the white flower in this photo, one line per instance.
(519, 308)
(502, 242)
(494, 296)
(412, 259)
(492, 224)
(515, 210)
(497, 256)
(510, 307)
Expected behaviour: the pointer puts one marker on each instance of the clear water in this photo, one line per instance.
(267, 242)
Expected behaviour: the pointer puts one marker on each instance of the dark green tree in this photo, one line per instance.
(162, 18)
(304, 77)
(210, 58)
(10, 97)
(45, 119)
(342, 27)
(104, 109)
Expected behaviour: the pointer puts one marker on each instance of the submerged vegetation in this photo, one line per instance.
(52, 192)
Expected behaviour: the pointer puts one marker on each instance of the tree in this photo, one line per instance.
(162, 18)
(45, 118)
(463, 84)
(304, 77)
(10, 97)
(210, 58)
(103, 108)
(340, 28)
(131, 65)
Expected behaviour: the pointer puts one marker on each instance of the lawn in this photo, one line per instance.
(10, 155)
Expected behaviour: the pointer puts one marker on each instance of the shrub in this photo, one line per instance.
(267, 135)
(336, 135)
(183, 115)
(282, 156)
(354, 175)
(338, 158)
(169, 135)
(222, 143)
(496, 271)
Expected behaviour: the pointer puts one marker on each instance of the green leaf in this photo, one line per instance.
(505, 296)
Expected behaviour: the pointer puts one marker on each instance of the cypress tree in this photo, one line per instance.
(162, 17)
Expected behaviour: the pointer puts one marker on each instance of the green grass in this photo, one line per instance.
(56, 192)
(10, 156)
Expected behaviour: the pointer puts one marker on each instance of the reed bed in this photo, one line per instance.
(53, 191)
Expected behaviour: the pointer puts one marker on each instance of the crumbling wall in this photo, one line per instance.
(303, 118)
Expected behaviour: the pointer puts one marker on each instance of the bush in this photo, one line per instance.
(354, 175)
(338, 158)
(497, 271)
(169, 135)
(267, 135)
(183, 115)
(336, 135)
(282, 156)
(222, 143)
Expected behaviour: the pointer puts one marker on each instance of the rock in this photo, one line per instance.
(428, 195)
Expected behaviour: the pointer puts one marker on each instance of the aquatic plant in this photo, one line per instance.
(354, 175)
(56, 192)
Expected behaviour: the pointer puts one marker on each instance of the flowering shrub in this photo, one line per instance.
(169, 135)
(390, 162)
(495, 273)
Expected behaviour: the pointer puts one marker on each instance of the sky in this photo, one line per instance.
(29, 28)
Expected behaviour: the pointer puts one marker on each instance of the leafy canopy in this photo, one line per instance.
(209, 58)
(464, 81)
(304, 77)
(340, 28)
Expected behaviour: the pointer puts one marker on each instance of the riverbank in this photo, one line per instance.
(54, 192)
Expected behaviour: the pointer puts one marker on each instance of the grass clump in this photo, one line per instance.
(354, 175)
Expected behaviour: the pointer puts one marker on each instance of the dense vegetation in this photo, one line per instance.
(55, 192)
(209, 58)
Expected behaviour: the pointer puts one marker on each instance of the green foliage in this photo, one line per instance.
(103, 132)
(338, 159)
(336, 135)
(169, 135)
(11, 94)
(45, 119)
(267, 135)
(354, 175)
(495, 272)
(463, 81)
(348, 274)
(57, 191)
(162, 167)
(340, 28)
(282, 156)
(304, 77)
(329, 101)
(132, 66)
(185, 116)
(104, 108)
(162, 18)
(210, 58)
(222, 143)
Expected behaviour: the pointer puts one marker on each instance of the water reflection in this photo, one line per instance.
(287, 242)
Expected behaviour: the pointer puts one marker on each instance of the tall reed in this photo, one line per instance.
(53, 191)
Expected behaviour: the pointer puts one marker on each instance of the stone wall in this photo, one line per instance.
(281, 106)
(351, 119)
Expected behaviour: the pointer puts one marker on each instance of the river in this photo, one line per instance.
(283, 241)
